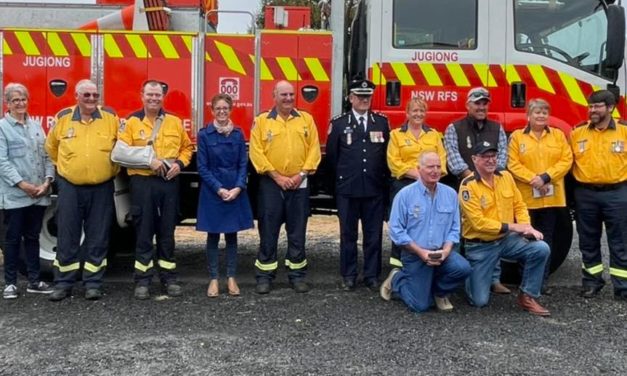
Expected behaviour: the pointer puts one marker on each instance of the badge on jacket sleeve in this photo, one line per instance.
(582, 145)
(618, 146)
(522, 148)
(465, 195)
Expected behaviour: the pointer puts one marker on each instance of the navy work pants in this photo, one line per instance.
(89, 208)
(595, 208)
(276, 207)
(154, 208)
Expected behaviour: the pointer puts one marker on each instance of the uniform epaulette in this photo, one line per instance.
(468, 179)
(339, 116)
(64, 112)
(581, 124)
(622, 122)
(381, 114)
(109, 110)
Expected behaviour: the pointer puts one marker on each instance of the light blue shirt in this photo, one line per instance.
(22, 158)
(429, 221)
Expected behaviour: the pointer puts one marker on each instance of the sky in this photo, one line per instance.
(232, 23)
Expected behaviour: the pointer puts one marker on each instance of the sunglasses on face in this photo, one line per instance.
(93, 95)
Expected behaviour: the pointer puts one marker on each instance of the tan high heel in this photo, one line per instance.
(212, 290)
(233, 288)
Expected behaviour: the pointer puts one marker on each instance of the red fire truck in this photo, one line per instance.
(559, 50)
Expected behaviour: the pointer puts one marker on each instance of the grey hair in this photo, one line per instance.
(538, 104)
(423, 157)
(13, 87)
(82, 83)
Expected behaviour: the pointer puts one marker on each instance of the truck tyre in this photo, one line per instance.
(563, 238)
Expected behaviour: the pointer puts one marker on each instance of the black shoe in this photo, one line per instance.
(590, 291)
(93, 294)
(348, 284)
(373, 285)
(59, 294)
(173, 289)
(142, 292)
(300, 286)
(263, 288)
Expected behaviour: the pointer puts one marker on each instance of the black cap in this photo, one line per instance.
(361, 87)
(482, 147)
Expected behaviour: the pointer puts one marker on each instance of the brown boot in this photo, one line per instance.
(499, 288)
(530, 305)
(213, 290)
(232, 285)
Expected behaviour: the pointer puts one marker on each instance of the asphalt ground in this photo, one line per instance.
(324, 332)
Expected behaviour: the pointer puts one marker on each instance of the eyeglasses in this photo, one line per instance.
(596, 106)
(19, 100)
(221, 109)
(93, 95)
(487, 156)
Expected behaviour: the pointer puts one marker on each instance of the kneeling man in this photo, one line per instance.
(496, 225)
(424, 222)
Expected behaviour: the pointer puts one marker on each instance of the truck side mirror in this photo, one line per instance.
(615, 47)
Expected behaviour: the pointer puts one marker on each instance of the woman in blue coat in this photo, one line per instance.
(223, 207)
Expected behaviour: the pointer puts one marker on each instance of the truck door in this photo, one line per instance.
(49, 64)
(556, 51)
(432, 49)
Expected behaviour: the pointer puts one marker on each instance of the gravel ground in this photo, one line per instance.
(326, 331)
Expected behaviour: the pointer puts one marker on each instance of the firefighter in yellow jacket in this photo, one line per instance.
(539, 157)
(155, 190)
(80, 146)
(600, 169)
(285, 150)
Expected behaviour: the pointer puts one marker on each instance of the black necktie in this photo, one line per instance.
(361, 123)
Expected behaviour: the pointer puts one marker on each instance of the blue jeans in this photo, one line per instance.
(417, 282)
(231, 254)
(22, 225)
(483, 257)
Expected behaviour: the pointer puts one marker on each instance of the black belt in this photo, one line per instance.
(603, 187)
(480, 241)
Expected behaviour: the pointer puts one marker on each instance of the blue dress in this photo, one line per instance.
(222, 163)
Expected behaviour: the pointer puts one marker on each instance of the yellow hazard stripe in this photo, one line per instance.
(316, 69)
(138, 46)
(511, 74)
(295, 265)
(166, 46)
(143, 268)
(486, 77)
(187, 40)
(27, 43)
(66, 268)
(377, 78)
(622, 273)
(401, 71)
(573, 89)
(229, 56)
(6, 50)
(540, 78)
(396, 262)
(593, 269)
(95, 268)
(111, 47)
(459, 77)
(289, 69)
(266, 75)
(83, 43)
(430, 74)
(266, 267)
(166, 264)
(56, 44)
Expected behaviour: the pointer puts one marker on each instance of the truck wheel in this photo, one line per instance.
(48, 239)
(563, 238)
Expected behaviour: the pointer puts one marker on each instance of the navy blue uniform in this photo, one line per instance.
(361, 185)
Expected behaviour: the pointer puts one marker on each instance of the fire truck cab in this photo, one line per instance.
(558, 50)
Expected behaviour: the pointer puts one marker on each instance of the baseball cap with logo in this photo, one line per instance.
(483, 147)
(478, 93)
